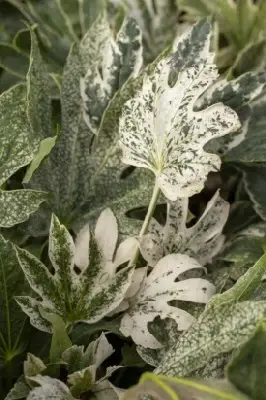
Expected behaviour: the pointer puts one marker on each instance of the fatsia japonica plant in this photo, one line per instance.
(131, 213)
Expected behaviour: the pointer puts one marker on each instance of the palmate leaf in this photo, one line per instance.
(12, 320)
(159, 288)
(159, 129)
(79, 196)
(158, 22)
(88, 293)
(202, 241)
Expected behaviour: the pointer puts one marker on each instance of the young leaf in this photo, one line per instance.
(49, 388)
(159, 288)
(159, 129)
(45, 148)
(202, 241)
(86, 294)
(33, 366)
(220, 329)
(60, 340)
(247, 368)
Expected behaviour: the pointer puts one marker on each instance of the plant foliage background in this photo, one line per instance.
(132, 199)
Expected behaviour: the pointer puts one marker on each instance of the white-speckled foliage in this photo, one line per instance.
(158, 22)
(19, 144)
(219, 329)
(87, 291)
(161, 131)
(203, 240)
(108, 63)
(156, 290)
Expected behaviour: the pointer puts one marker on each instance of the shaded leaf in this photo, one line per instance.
(247, 368)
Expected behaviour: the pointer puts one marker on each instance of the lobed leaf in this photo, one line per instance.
(74, 294)
(160, 131)
(203, 240)
(160, 287)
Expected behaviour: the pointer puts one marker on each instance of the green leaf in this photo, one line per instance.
(245, 286)
(81, 381)
(254, 175)
(12, 320)
(247, 368)
(165, 388)
(220, 329)
(159, 129)
(87, 293)
(17, 205)
(19, 144)
(39, 107)
(60, 340)
(33, 366)
(13, 60)
(45, 148)
(19, 391)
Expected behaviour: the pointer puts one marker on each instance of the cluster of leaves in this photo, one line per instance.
(87, 245)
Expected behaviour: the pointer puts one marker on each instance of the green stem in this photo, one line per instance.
(146, 223)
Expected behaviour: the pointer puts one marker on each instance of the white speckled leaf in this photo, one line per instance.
(108, 64)
(49, 389)
(159, 129)
(239, 94)
(203, 240)
(158, 22)
(219, 330)
(79, 197)
(158, 289)
(88, 294)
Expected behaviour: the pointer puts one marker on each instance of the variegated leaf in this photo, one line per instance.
(49, 388)
(203, 240)
(220, 329)
(159, 288)
(19, 138)
(239, 94)
(158, 22)
(159, 129)
(88, 294)
(79, 197)
(107, 63)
